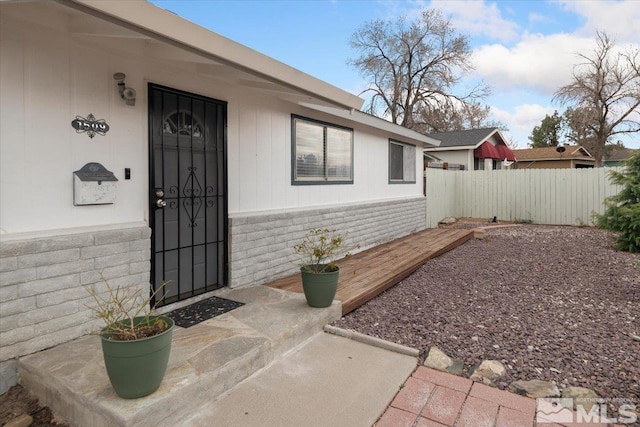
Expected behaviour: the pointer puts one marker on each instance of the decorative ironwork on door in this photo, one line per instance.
(188, 208)
(193, 198)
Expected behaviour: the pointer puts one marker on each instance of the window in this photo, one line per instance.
(322, 153)
(478, 164)
(182, 123)
(402, 163)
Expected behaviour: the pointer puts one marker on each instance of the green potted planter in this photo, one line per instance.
(136, 367)
(320, 288)
(136, 344)
(317, 252)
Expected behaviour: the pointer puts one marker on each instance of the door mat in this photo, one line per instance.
(202, 310)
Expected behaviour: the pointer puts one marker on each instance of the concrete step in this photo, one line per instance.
(206, 361)
(326, 382)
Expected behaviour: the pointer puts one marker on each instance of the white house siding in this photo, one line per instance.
(464, 156)
(49, 248)
(49, 77)
(460, 157)
(260, 162)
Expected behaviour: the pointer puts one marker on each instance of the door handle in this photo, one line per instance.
(161, 203)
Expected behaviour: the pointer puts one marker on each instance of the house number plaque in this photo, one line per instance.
(90, 125)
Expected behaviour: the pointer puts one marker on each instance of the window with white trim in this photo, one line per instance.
(322, 152)
(402, 163)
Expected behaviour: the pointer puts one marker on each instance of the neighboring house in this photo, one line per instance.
(568, 156)
(617, 156)
(139, 145)
(474, 149)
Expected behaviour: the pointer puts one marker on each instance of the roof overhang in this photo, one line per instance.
(556, 159)
(456, 148)
(490, 133)
(431, 156)
(391, 129)
(158, 24)
(163, 35)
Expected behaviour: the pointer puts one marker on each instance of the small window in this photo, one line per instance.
(402, 163)
(182, 123)
(322, 153)
(478, 164)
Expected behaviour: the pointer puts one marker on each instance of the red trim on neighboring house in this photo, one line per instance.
(487, 151)
(505, 153)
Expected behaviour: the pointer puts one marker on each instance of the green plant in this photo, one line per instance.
(580, 223)
(120, 307)
(319, 248)
(622, 213)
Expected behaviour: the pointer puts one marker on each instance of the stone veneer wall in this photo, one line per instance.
(261, 245)
(42, 298)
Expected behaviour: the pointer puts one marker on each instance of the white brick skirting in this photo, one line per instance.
(261, 245)
(42, 296)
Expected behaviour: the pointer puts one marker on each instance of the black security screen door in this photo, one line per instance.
(188, 210)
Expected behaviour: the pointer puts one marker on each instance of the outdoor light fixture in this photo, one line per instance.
(126, 93)
(560, 149)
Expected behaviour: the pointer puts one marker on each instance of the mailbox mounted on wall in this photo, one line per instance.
(93, 184)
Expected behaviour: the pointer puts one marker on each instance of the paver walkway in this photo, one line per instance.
(432, 398)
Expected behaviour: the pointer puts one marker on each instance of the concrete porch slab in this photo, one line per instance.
(206, 361)
(329, 381)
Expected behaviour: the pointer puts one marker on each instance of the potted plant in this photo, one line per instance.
(317, 252)
(135, 344)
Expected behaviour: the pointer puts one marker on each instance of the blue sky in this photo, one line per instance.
(523, 49)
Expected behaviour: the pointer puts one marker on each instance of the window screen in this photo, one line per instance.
(322, 152)
(402, 163)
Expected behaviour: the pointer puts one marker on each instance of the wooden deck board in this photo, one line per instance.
(367, 274)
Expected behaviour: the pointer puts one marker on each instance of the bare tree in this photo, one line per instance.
(605, 95)
(413, 68)
(448, 117)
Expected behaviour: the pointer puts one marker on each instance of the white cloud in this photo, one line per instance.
(523, 117)
(619, 19)
(478, 18)
(536, 61)
(521, 121)
(534, 18)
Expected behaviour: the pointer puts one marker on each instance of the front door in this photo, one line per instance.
(188, 209)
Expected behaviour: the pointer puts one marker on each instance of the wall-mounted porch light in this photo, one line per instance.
(126, 93)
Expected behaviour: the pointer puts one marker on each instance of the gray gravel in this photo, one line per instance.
(552, 303)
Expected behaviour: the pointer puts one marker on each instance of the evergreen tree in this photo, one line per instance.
(548, 133)
(622, 214)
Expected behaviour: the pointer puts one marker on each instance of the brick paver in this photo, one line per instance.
(477, 413)
(394, 417)
(444, 405)
(413, 396)
(442, 378)
(508, 417)
(504, 398)
(425, 422)
(432, 398)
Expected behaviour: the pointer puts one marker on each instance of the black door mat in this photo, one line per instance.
(202, 310)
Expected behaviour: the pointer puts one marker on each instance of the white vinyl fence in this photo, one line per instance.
(542, 196)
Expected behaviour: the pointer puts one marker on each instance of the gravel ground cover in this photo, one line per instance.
(552, 303)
